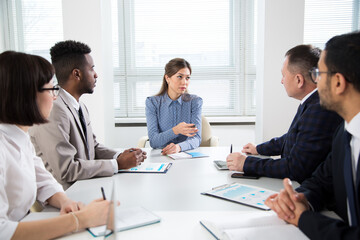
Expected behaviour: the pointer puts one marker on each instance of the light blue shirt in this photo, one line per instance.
(162, 114)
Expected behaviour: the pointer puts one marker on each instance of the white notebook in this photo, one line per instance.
(128, 218)
(252, 225)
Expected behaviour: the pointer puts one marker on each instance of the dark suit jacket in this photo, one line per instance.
(62, 146)
(326, 188)
(302, 148)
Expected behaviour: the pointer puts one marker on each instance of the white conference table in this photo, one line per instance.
(175, 196)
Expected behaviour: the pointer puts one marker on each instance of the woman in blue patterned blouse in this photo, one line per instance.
(174, 116)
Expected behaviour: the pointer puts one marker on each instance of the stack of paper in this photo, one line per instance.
(252, 225)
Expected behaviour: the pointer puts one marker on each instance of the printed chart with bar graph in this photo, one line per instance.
(148, 168)
(244, 194)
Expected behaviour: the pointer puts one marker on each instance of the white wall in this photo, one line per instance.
(89, 21)
(280, 28)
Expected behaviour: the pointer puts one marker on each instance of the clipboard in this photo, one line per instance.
(148, 168)
(243, 194)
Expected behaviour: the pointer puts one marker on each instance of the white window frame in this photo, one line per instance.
(242, 20)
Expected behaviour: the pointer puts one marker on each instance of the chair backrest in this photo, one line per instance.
(205, 132)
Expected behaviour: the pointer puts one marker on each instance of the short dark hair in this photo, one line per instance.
(66, 56)
(21, 77)
(171, 68)
(303, 58)
(343, 56)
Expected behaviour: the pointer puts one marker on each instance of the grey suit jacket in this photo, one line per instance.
(62, 146)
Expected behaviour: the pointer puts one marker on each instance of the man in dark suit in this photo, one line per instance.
(308, 140)
(67, 144)
(336, 182)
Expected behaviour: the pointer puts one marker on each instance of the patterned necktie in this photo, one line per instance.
(82, 121)
(349, 182)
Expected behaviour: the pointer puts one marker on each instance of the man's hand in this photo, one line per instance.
(235, 161)
(250, 149)
(131, 158)
(288, 204)
(171, 148)
(187, 129)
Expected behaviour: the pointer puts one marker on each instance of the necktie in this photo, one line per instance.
(82, 121)
(349, 183)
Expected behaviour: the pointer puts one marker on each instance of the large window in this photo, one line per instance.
(217, 37)
(32, 26)
(327, 18)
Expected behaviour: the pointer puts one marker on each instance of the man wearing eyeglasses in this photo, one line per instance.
(336, 182)
(308, 140)
(67, 144)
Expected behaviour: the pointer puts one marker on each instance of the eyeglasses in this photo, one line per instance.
(54, 91)
(315, 74)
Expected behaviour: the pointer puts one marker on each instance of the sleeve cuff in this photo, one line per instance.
(115, 165)
(7, 228)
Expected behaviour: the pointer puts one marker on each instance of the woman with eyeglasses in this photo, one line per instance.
(173, 116)
(26, 98)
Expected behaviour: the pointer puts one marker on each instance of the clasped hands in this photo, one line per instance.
(131, 158)
(288, 204)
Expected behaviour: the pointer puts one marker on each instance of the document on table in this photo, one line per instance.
(187, 155)
(250, 225)
(148, 168)
(241, 193)
(128, 218)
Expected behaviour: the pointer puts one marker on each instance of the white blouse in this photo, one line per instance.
(23, 178)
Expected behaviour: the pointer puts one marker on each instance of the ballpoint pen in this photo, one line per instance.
(231, 148)
(103, 193)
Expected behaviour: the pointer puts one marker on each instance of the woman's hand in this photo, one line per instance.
(171, 148)
(70, 206)
(94, 214)
(187, 129)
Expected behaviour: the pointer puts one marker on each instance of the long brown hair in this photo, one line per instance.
(171, 68)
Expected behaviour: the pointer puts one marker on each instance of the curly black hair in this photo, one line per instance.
(66, 56)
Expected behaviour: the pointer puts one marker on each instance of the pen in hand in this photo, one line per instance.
(103, 193)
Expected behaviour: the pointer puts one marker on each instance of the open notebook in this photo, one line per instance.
(122, 219)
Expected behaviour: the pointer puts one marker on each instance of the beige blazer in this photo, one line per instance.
(61, 145)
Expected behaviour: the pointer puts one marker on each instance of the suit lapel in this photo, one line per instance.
(75, 115)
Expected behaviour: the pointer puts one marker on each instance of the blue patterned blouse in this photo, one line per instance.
(162, 114)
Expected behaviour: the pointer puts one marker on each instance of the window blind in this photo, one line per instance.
(327, 18)
(216, 37)
(33, 26)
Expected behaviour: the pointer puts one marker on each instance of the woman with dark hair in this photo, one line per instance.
(26, 98)
(174, 116)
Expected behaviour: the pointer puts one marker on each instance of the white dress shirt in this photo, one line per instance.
(76, 105)
(353, 127)
(23, 178)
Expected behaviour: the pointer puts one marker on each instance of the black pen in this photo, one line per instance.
(231, 148)
(103, 193)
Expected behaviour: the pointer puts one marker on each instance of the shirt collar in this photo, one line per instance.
(15, 133)
(308, 95)
(168, 100)
(353, 127)
(72, 100)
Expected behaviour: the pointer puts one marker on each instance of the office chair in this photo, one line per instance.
(207, 140)
(36, 207)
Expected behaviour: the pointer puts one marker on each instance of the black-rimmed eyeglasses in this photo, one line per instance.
(54, 91)
(315, 74)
